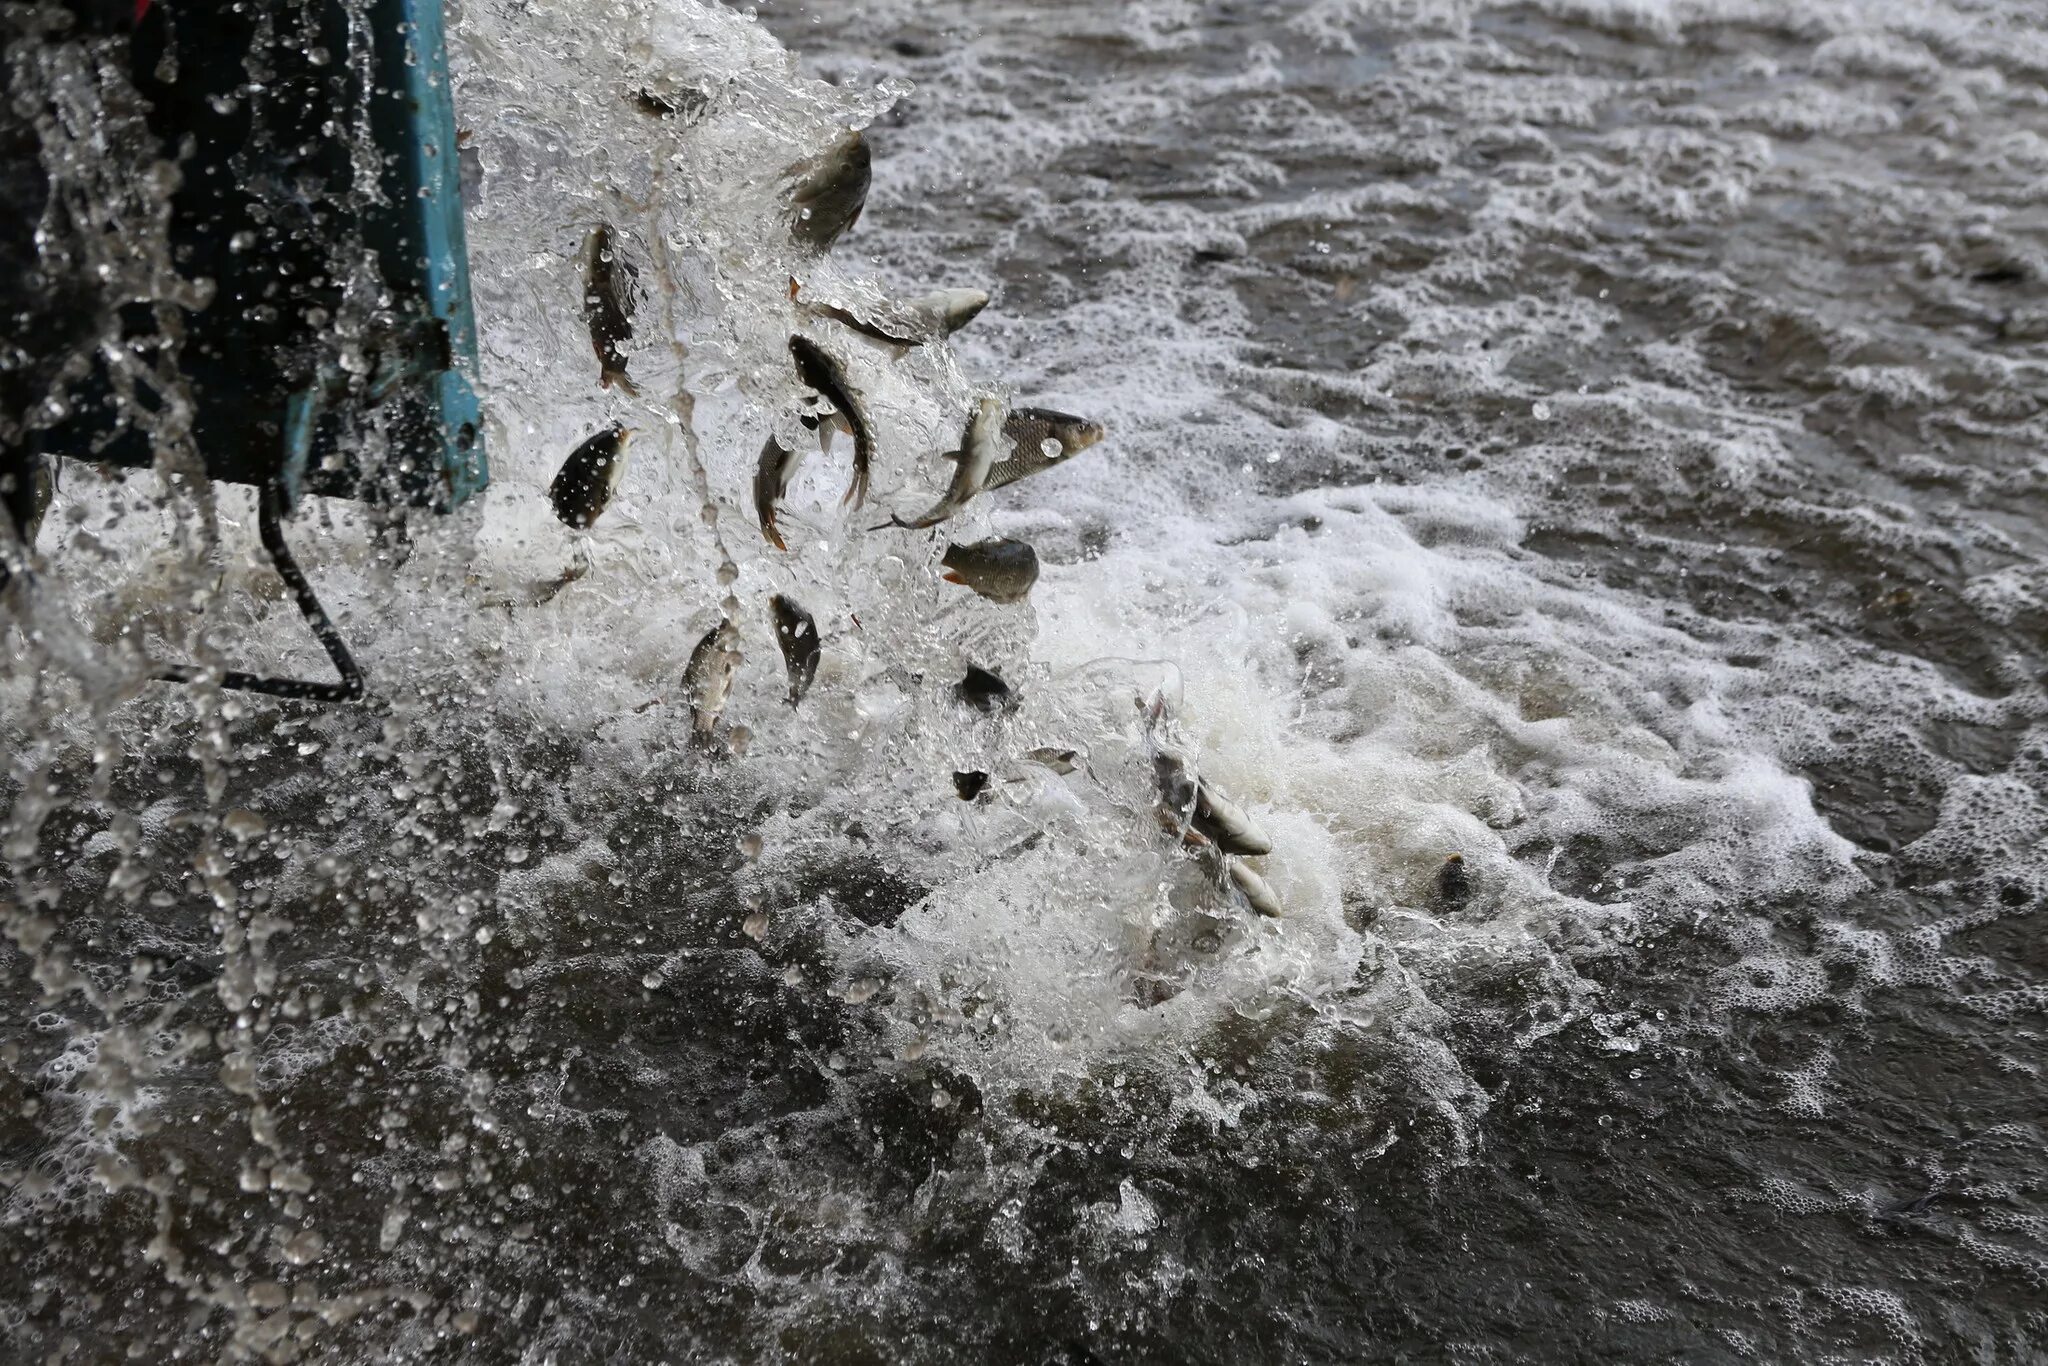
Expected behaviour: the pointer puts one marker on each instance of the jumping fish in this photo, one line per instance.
(970, 784)
(1060, 761)
(1042, 439)
(707, 681)
(980, 447)
(26, 489)
(589, 477)
(1198, 806)
(827, 192)
(1256, 891)
(797, 633)
(913, 322)
(999, 569)
(772, 474)
(610, 292)
(982, 690)
(821, 372)
(25, 493)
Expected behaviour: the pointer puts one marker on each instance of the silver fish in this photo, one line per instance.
(819, 370)
(1043, 438)
(1060, 761)
(981, 445)
(590, 476)
(707, 681)
(912, 322)
(772, 474)
(1198, 806)
(1000, 569)
(797, 633)
(827, 192)
(1257, 892)
(946, 311)
(610, 293)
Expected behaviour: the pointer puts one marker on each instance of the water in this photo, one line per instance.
(1601, 439)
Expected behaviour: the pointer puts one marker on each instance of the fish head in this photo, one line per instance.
(958, 307)
(1065, 434)
(1081, 436)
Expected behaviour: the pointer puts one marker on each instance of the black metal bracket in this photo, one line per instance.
(270, 523)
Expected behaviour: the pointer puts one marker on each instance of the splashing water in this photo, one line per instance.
(496, 1018)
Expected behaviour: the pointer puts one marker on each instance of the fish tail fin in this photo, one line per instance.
(618, 377)
(857, 491)
(773, 534)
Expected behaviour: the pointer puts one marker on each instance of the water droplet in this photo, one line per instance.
(243, 824)
(304, 1246)
(1540, 411)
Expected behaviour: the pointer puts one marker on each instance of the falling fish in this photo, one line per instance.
(707, 681)
(981, 445)
(1453, 884)
(982, 690)
(820, 371)
(684, 104)
(772, 474)
(1000, 569)
(590, 476)
(912, 322)
(1042, 439)
(1256, 891)
(797, 633)
(1060, 761)
(1198, 806)
(827, 192)
(610, 291)
(25, 494)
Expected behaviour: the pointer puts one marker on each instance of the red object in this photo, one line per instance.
(141, 8)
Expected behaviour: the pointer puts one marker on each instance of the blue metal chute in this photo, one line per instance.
(317, 146)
